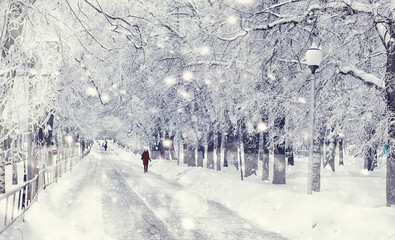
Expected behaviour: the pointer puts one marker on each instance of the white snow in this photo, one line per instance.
(262, 126)
(187, 75)
(170, 80)
(302, 100)
(91, 91)
(106, 98)
(232, 19)
(367, 77)
(245, 1)
(204, 50)
(351, 204)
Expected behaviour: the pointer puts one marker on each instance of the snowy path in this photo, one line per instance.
(109, 197)
(185, 214)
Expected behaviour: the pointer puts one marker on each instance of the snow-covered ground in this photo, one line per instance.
(107, 196)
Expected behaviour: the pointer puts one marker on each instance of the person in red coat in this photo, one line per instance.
(145, 157)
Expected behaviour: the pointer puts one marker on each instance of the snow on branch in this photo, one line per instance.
(232, 38)
(339, 6)
(366, 78)
(383, 33)
(294, 19)
(358, 6)
(276, 6)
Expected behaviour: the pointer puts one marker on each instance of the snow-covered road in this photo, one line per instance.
(109, 197)
(156, 208)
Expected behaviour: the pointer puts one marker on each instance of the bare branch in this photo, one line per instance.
(89, 33)
(93, 82)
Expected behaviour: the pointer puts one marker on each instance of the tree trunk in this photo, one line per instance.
(316, 173)
(264, 156)
(221, 143)
(322, 147)
(279, 166)
(370, 158)
(341, 151)
(231, 148)
(216, 143)
(189, 155)
(225, 150)
(210, 150)
(251, 147)
(210, 157)
(14, 161)
(390, 97)
(239, 149)
(200, 156)
(290, 155)
(330, 154)
(2, 170)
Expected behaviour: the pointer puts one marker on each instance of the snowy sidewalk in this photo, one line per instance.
(107, 196)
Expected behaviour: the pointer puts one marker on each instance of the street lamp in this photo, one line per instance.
(313, 59)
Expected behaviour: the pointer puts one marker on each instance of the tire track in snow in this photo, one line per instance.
(188, 214)
(151, 219)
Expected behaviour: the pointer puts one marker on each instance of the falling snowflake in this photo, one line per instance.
(187, 76)
(91, 91)
(170, 80)
(232, 19)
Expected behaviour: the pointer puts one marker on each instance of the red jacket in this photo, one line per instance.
(145, 157)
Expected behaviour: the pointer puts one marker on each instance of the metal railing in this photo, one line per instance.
(15, 203)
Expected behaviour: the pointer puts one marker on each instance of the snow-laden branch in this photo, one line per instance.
(290, 19)
(338, 6)
(232, 38)
(92, 81)
(383, 33)
(366, 78)
(356, 6)
(276, 6)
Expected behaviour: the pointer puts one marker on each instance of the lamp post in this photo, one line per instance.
(313, 59)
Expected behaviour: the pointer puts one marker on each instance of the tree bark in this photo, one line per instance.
(210, 150)
(330, 154)
(189, 155)
(341, 152)
(231, 148)
(251, 148)
(370, 158)
(316, 174)
(390, 99)
(264, 156)
(218, 149)
(290, 155)
(200, 156)
(279, 166)
(14, 162)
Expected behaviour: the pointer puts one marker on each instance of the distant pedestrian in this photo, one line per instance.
(105, 146)
(145, 157)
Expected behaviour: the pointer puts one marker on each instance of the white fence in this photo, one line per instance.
(15, 203)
